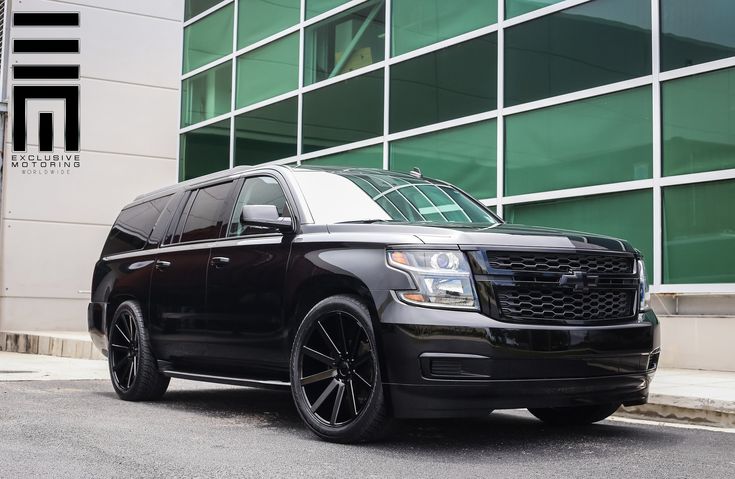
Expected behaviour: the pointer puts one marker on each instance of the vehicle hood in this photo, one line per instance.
(503, 235)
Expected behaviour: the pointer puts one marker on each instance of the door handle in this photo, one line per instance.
(161, 265)
(219, 261)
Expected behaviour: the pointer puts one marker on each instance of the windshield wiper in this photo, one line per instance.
(376, 220)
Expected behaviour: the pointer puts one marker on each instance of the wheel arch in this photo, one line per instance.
(321, 287)
(114, 302)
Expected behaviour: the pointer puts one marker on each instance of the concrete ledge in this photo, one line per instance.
(689, 396)
(51, 343)
(684, 410)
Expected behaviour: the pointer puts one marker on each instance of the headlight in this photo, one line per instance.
(443, 278)
(645, 296)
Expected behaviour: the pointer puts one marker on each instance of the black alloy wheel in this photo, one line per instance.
(133, 368)
(124, 351)
(335, 376)
(337, 373)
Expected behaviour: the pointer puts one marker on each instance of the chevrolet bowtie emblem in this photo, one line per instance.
(579, 280)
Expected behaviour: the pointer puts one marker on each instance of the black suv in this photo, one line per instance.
(370, 294)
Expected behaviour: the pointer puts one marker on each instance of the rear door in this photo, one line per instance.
(178, 284)
(245, 285)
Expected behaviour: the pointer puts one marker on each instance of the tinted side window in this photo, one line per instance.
(133, 226)
(163, 222)
(205, 216)
(259, 190)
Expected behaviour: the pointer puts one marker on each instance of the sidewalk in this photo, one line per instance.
(676, 395)
(38, 367)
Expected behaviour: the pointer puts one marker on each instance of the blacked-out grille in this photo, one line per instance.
(560, 304)
(560, 263)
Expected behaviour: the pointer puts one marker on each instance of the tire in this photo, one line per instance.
(133, 368)
(343, 403)
(574, 416)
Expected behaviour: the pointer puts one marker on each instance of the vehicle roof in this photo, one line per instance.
(166, 190)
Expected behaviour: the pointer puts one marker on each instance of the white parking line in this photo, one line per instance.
(671, 424)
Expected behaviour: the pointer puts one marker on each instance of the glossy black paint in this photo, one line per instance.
(227, 309)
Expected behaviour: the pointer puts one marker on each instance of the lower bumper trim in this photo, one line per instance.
(478, 399)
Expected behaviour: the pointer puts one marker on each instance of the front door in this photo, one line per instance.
(245, 287)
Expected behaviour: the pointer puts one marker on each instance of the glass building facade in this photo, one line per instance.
(609, 116)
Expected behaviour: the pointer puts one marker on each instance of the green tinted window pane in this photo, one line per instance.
(206, 95)
(259, 19)
(696, 32)
(345, 42)
(513, 8)
(204, 150)
(464, 156)
(593, 44)
(317, 7)
(417, 23)
(208, 39)
(266, 134)
(268, 71)
(628, 216)
(351, 110)
(699, 123)
(605, 139)
(370, 157)
(450, 83)
(699, 233)
(192, 8)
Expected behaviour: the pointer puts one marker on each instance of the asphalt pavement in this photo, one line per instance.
(78, 428)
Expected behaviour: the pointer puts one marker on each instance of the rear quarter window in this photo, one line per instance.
(133, 226)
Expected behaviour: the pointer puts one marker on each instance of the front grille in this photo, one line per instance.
(560, 262)
(560, 304)
(539, 287)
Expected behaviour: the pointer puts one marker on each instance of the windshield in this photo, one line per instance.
(359, 196)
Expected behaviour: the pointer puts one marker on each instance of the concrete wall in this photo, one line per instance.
(698, 342)
(697, 331)
(53, 227)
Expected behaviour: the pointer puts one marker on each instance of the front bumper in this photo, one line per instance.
(439, 363)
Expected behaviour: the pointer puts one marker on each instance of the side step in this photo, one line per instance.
(254, 383)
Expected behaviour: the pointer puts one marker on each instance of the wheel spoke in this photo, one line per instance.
(314, 354)
(342, 332)
(117, 325)
(337, 402)
(324, 395)
(328, 338)
(131, 329)
(126, 321)
(352, 393)
(362, 379)
(329, 373)
(130, 374)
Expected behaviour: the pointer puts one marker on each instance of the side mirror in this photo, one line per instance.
(264, 215)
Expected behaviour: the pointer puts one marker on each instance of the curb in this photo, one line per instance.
(683, 409)
(48, 344)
